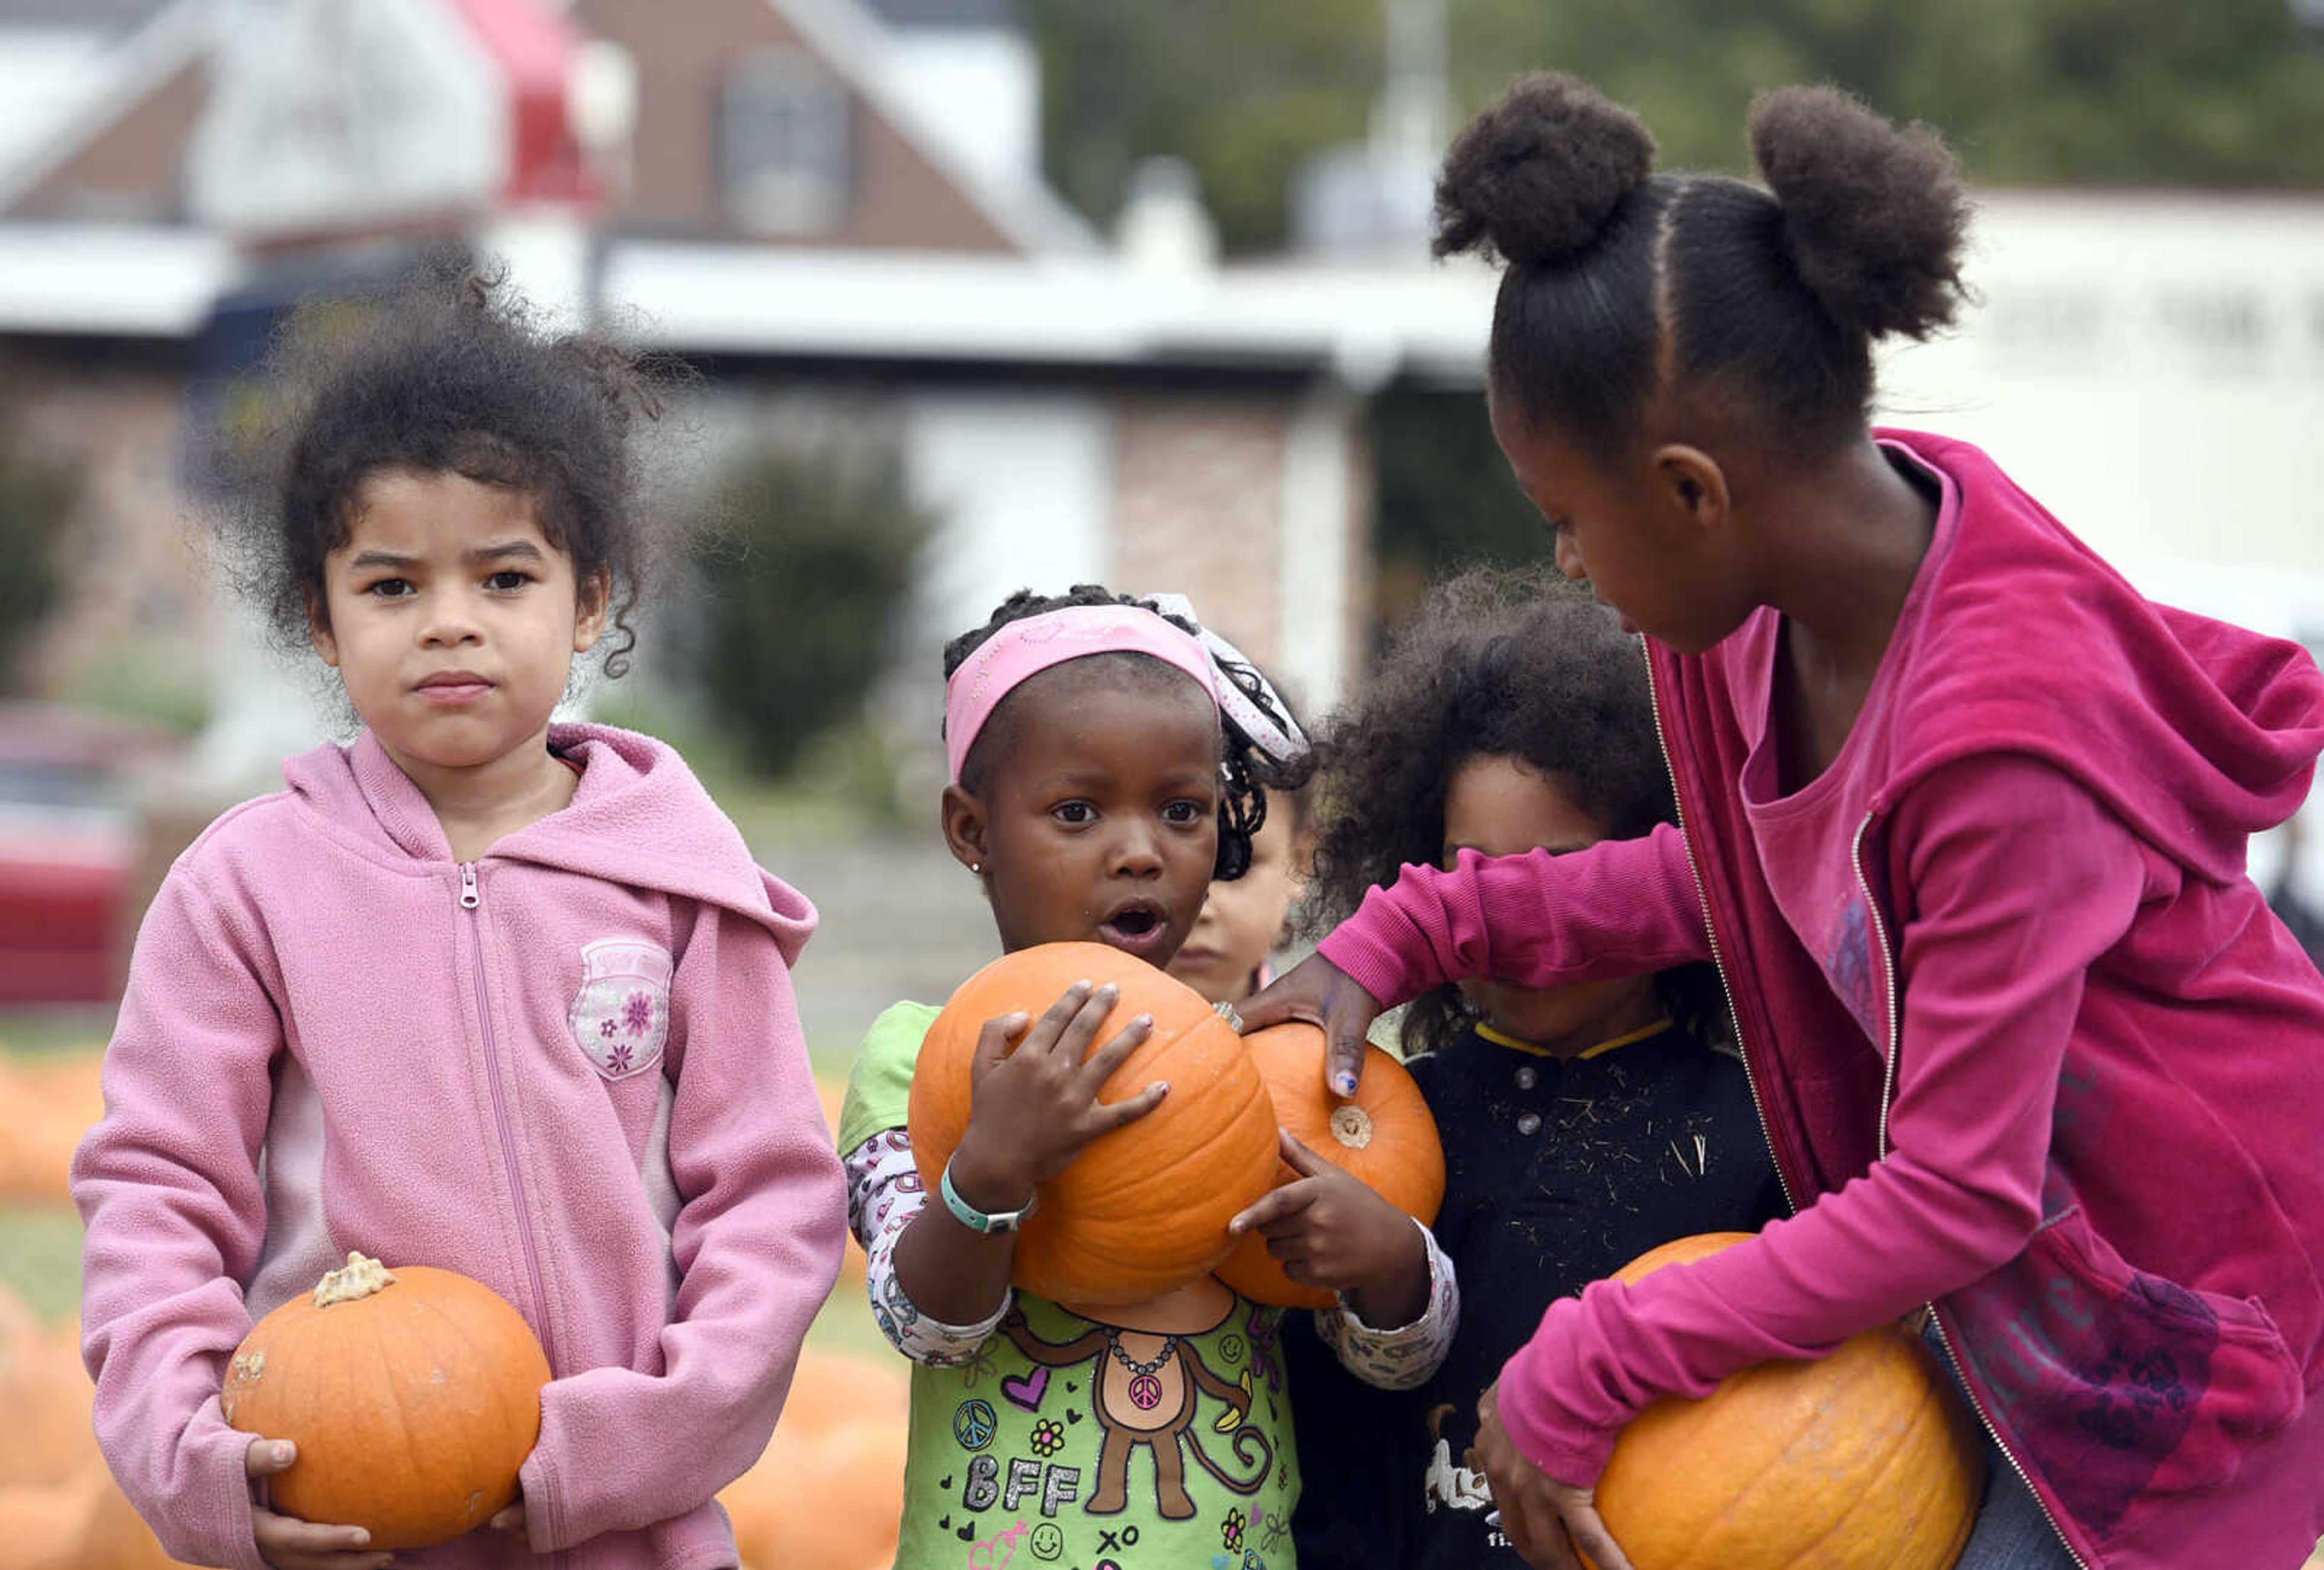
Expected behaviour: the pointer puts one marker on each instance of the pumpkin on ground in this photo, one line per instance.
(44, 1400)
(829, 1491)
(1144, 1209)
(115, 1537)
(1384, 1135)
(413, 1397)
(41, 1525)
(1861, 1460)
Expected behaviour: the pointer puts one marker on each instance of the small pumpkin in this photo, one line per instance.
(1144, 1209)
(1384, 1135)
(1860, 1460)
(113, 1537)
(413, 1396)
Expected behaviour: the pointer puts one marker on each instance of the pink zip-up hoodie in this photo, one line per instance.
(2088, 1130)
(571, 1069)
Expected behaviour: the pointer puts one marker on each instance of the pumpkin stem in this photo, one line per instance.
(358, 1279)
(1352, 1125)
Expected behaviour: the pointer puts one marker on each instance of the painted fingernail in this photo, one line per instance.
(285, 1454)
(358, 1537)
(1345, 1084)
(1143, 1022)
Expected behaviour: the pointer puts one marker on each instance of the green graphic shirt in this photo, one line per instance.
(1159, 1436)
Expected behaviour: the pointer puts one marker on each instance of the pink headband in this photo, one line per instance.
(1024, 649)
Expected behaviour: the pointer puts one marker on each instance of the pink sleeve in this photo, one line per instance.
(2012, 881)
(173, 1216)
(757, 1245)
(1618, 908)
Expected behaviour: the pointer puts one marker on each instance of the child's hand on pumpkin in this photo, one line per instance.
(1322, 993)
(1330, 1230)
(287, 1543)
(1032, 1110)
(1545, 1520)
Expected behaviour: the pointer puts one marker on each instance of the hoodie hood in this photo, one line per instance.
(637, 816)
(2196, 732)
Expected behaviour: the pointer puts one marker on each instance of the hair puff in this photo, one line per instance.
(1874, 214)
(1536, 176)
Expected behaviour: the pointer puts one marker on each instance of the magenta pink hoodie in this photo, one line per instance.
(2091, 1135)
(572, 1069)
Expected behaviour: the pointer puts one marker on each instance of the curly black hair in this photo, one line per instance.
(1247, 772)
(445, 370)
(1763, 304)
(1498, 663)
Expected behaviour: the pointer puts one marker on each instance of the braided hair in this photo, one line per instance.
(1246, 771)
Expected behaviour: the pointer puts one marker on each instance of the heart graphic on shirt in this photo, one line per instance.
(1072, 1414)
(944, 1482)
(945, 1523)
(966, 1534)
(1027, 1392)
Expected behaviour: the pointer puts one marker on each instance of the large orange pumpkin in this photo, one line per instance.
(1384, 1136)
(413, 1396)
(1142, 1210)
(1861, 1460)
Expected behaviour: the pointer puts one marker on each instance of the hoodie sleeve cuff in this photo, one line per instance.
(224, 1468)
(1565, 1452)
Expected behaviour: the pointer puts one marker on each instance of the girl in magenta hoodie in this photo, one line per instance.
(477, 991)
(1962, 821)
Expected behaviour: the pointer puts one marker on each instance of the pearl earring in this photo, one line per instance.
(977, 867)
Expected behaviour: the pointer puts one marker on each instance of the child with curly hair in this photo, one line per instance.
(1582, 1124)
(1963, 818)
(478, 990)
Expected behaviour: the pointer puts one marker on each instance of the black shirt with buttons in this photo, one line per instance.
(1558, 1172)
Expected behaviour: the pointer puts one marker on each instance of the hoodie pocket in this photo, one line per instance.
(621, 1013)
(2117, 1383)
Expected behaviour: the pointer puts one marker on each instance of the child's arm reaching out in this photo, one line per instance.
(1619, 908)
(756, 1243)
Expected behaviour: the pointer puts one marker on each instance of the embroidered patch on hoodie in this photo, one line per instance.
(620, 1016)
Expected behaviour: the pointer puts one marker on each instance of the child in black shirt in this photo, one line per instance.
(1581, 1125)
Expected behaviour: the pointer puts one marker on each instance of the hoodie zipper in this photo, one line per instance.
(471, 901)
(1887, 1095)
(1718, 964)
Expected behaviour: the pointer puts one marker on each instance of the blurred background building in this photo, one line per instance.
(1011, 292)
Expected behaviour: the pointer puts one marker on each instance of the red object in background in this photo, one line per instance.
(534, 48)
(69, 848)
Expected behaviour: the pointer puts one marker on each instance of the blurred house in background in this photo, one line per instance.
(836, 207)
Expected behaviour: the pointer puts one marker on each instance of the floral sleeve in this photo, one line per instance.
(1401, 1358)
(884, 1192)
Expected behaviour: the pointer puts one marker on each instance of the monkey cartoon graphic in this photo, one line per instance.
(1143, 1391)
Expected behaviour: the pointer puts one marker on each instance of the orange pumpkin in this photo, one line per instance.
(1142, 1210)
(1384, 1135)
(1861, 1460)
(829, 1491)
(41, 1525)
(44, 1393)
(413, 1396)
(113, 1537)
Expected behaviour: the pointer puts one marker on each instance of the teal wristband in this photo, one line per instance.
(976, 1220)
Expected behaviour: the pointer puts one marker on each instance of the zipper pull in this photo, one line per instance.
(469, 898)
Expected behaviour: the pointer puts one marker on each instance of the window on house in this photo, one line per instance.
(785, 164)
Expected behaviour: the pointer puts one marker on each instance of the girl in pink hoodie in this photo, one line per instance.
(1962, 820)
(476, 991)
